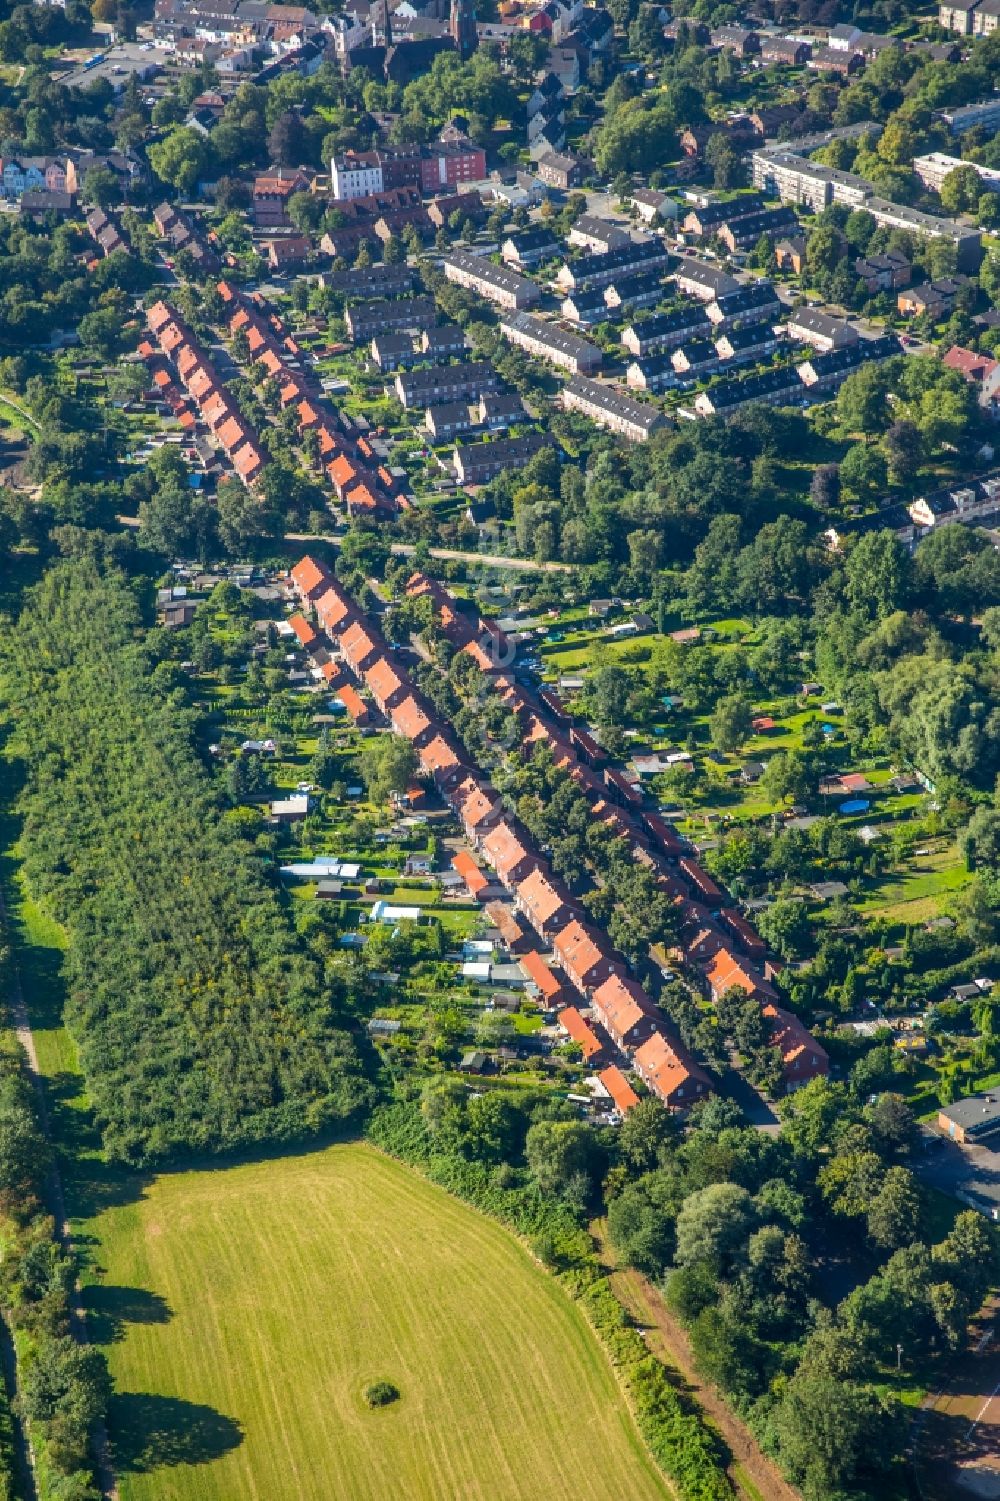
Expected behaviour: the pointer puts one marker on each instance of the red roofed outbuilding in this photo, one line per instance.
(542, 975)
(581, 1032)
(307, 636)
(623, 1096)
(476, 882)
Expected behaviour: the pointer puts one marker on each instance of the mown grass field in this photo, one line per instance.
(244, 1311)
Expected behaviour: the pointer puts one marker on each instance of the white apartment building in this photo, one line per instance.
(355, 176)
(933, 168)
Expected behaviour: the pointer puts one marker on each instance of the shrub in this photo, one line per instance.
(381, 1394)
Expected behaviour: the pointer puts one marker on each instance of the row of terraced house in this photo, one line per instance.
(350, 463)
(621, 1016)
(203, 384)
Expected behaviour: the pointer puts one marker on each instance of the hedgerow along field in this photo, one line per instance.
(247, 1309)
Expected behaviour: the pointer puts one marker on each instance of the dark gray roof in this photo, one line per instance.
(982, 1112)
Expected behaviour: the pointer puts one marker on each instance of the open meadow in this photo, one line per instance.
(246, 1309)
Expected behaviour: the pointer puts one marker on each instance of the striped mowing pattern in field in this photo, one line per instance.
(255, 1304)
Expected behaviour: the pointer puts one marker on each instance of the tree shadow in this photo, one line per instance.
(150, 1432)
(110, 1309)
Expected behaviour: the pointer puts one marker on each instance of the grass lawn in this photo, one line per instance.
(246, 1309)
(916, 894)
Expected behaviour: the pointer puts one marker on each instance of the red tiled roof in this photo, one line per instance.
(478, 805)
(580, 1032)
(541, 899)
(200, 384)
(669, 1072)
(158, 316)
(231, 434)
(384, 681)
(438, 758)
(622, 1094)
(726, 972)
(215, 409)
(541, 973)
(342, 472)
(577, 950)
(409, 719)
(186, 360)
(699, 878)
(975, 367)
(801, 1055)
(668, 837)
(855, 781)
(744, 931)
(622, 1005)
(479, 656)
(504, 849)
(362, 498)
(248, 462)
(303, 630)
(171, 337)
(333, 607)
(470, 872)
(309, 577)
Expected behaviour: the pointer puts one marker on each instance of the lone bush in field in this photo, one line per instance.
(381, 1393)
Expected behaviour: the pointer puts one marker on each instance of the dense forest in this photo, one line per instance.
(201, 1021)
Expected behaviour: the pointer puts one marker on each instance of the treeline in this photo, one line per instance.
(534, 1166)
(201, 1021)
(741, 1227)
(64, 1386)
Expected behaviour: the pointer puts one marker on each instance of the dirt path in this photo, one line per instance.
(753, 1475)
(22, 1027)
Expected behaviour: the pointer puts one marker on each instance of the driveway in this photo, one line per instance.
(970, 1174)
